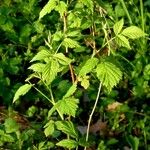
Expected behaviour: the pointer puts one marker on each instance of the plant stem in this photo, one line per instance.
(142, 15)
(91, 115)
(126, 10)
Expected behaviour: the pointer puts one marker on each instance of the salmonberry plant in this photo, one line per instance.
(82, 61)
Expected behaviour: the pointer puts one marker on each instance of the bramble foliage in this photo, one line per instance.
(82, 68)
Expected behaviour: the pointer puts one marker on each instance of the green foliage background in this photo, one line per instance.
(41, 42)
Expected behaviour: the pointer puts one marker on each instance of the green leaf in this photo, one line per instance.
(122, 41)
(85, 82)
(49, 128)
(118, 26)
(38, 67)
(68, 106)
(133, 32)
(48, 8)
(50, 71)
(11, 125)
(67, 127)
(67, 143)
(108, 74)
(41, 55)
(61, 8)
(70, 43)
(71, 91)
(62, 59)
(88, 3)
(22, 91)
(133, 141)
(88, 66)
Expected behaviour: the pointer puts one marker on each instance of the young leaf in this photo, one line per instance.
(118, 26)
(68, 106)
(85, 81)
(108, 74)
(88, 67)
(22, 91)
(67, 143)
(122, 41)
(48, 8)
(133, 32)
(50, 71)
(70, 43)
(38, 67)
(71, 91)
(62, 59)
(67, 127)
(49, 128)
(41, 55)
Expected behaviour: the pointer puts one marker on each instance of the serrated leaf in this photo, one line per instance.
(122, 41)
(50, 71)
(67, 143)
(70, 43)
(48, 8)
(118, 26)
(38, 67)
(41, 55)
(61, 8)
(71, 91)
(68, 106)
(88, 3)
(88, 66)
(133, 32)
(22, 91)
(108, 74)
(67, 127)
(49, 128)
(62, 59)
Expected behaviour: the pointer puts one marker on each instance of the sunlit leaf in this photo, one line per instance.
(22, 91)
(118, 26)
(49, 128)
(67, 143)
(38, 67)
(133, 32)
(61, 8)
(70, 43)
(108, 74)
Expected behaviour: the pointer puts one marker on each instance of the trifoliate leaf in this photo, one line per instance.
(49, 128)
(62, 59)
(108, 74)
(70, 43)
(67, 143)
(22, 91)
(122, 41)
(50, 71)
(67, 127)
(88, 67)
(133, 32)
(118, 26)
(71, 91)
(38, 67)
(48, 8)
(41, 55)
(68, 106)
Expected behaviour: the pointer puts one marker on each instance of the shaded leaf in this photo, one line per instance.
(133, 32)
(22, 91)
(67, 127)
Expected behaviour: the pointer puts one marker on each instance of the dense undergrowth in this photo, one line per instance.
(74, 74)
